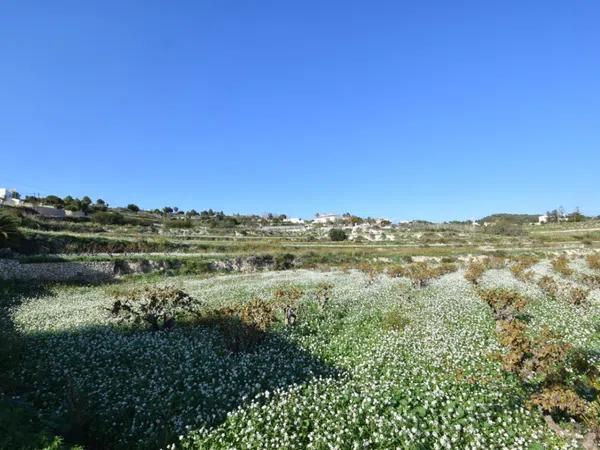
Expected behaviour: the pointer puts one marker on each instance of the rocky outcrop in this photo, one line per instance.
(249, 264)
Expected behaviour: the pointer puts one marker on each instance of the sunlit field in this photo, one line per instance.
(375, 358)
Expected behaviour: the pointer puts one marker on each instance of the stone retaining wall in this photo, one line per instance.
(56, 271)
(95, 271)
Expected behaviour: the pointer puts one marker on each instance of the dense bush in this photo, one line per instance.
(194, 266)
(158, 307)
(39, 243)
(284, 261)
(108, 218)
(561, 381)
(9, 229)
(337, 234)
(116, 218)
(558, 400)
(179, 223)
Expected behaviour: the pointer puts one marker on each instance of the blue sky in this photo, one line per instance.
(420, 109)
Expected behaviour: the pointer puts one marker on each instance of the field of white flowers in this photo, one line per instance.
(344, 377)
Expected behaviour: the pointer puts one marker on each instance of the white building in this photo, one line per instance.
(294, 220)
(326, 218)
(7, 197)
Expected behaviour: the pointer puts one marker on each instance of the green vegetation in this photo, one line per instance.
(9, 229)
(336, 235)
(414, 335)
(519, 219)
(235, 361)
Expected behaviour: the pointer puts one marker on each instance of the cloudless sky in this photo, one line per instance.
(403, 109)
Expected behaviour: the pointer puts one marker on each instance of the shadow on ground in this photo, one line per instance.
(109, 388)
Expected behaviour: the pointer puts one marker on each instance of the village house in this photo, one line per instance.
(9, 197)
(326, 218)
(294, 220)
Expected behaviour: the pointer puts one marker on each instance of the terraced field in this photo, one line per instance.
(371, 360)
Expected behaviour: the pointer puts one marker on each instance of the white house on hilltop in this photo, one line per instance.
(8, 198)
(326, 218)
(294, 220)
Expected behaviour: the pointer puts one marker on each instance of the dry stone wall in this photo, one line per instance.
(96, 271)
(56, 271)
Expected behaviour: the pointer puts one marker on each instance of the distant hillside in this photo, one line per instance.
(512, 218)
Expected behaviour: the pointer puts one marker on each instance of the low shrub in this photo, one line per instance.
(9, 229)
(560, 400)
(421, 273)
(591, 280)
(369, 270)
(396, 271)
(286, 298)
(561, 380)
(475, 271)
(108, 218)
(323, 294)
(494, 262)
(284, 261)
(511, 334)
(506, 303)
(194, 267)
(394, 320)
(561, 265)
(449, 259)
(505, 228)
(578, 295)
(541, 358)
(287, 295)
(243, 327)
(337, 234)
(446, 268)
(593, 261)
(157, 307)
(519, 268)
(548, 286)
(178, 224)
